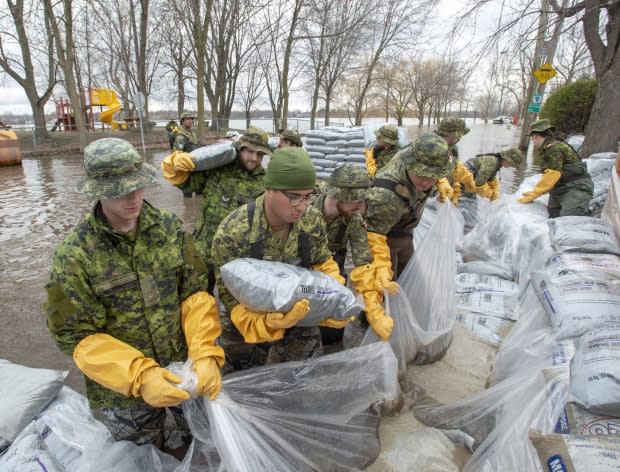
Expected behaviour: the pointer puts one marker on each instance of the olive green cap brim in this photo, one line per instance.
(115, 186)
(241, 143)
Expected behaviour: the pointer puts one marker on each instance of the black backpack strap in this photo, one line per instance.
(340, 235)
(256, 248)
(303, 249)
(390, 185)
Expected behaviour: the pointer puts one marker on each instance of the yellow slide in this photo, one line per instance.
(107, 98)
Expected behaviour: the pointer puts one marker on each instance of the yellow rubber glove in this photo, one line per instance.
(120, 367)
(494, 186)
(457, 193)
(381, 262)
(546, 183)
(175, 173)
(464, 176)
(445, 190)
(266, 327)
(362, 278)
(484, 190)
(371, 164)
(183, 161)
(330, 267)
(201, 325)
(338, 324)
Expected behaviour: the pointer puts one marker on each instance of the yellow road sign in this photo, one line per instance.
(544, 73)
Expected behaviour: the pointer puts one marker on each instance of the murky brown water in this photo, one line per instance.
(38, 207)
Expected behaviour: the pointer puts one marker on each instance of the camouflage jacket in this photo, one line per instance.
(104, 282)
(345, 230)
(234, 238)
(558, 155)
(484, 168)
(383, 156)
(186, 140)
(224, 189)
(398, 211)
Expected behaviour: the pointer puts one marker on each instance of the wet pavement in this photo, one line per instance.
(38, 206)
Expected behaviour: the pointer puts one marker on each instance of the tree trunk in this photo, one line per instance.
(602, 134)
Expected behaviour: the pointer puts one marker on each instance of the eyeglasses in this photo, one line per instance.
(296, 200)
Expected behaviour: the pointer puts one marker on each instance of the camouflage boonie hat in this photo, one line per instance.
(291, 136)
(186, 115)
(348, 183)
(540, 126)
(388, 134)
(255, 139)
(114, 169)
(428, 156)
(513, 156)
(452, 125)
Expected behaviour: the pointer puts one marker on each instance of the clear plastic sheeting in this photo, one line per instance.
(427, 280)
(489, 328)
(498, 269)
(611, 210)
(214, 155)
(578, 301)
(500, 305)
(595, 371)
(499, 418)
(582, 234)
(297, 416)
(533, 249)
(431, 208)
(275, 286)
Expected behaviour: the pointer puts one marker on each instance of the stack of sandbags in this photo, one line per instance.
(600, 166)
(332, 146)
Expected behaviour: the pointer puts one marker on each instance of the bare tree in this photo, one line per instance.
(21, 67)
(250, 87)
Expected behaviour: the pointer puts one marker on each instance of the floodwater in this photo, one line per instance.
(38, 206)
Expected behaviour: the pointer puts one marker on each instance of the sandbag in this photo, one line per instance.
(275, 286)
(213, 156)
(473, 282)
(582, 234)
(498, 269)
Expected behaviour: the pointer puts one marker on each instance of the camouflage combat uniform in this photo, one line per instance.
(172, 128)
(383, 155)
(484, 167)
(186, 140)
(572, 193)
(233, 240)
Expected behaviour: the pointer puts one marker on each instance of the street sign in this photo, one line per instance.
(537, 98)
(544, 73)
(533, 108)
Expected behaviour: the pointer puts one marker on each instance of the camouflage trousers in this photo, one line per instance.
(144, 424)
(298, 344)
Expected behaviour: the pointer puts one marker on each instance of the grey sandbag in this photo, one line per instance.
(214, 155)
(275, 286)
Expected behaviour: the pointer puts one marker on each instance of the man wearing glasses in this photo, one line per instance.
(281, 225)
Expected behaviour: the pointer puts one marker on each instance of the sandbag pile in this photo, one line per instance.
(600, 166)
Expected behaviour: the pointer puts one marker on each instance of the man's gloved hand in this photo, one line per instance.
(464, 176)
(527, 197)
(457, 193)
(380, 323)
(383, 281)
(287, 320)
(445, 190)
(209, 378)
(484, 191)
(158, 390)
(338, 324)
(547, 182)
(176, 167)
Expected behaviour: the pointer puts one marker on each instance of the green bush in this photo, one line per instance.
(569, 108)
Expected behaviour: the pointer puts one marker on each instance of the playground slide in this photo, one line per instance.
(107, 98)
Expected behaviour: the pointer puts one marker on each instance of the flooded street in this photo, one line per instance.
(38, 206)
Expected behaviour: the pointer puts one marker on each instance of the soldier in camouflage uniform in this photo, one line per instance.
(341, 204)
(126, 296)
(484, 168)
(224, 189)
(172, 128)
(289, 137)
(386, 148)
(565, 175)
(397, 200)
(186, 139)
(452, 129)
(282, 226)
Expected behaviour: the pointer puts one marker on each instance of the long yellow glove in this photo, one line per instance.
(177, 166)
(445, 190)
(381, 263)
(464, 176)
(371, 164)
(330, 267)
(494, 186)
(120, 367)
(484, 190)
(201, 325)
(363, 281)
(269, 326)
(338, 324)
(457, 193)
(546, 183)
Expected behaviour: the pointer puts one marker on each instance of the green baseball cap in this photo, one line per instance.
(428, 156)
(513, 156)
(388, 134)
(255, 139)
(348, 183)
(114, 169)
(290, 168)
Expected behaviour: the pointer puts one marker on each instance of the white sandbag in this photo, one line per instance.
(581, 421)
(490, 328)
(578, 301)
(275, 286)
(595, 371)
(585, 261)
(498, 269)
(273, 142)
(575, 453)
(472, 282)
(501, 305)
(611, 210)
(313, 140)
(582, 234)
(602, 155)
(575, 140)
(25, 392)
(600, 166)
(213, 156)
